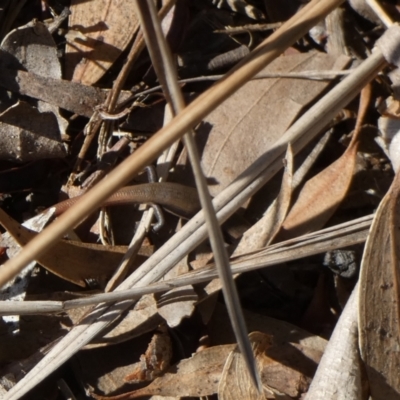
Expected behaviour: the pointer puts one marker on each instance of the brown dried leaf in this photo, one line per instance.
(246, 125)
(99, 32)
(379, 302)
(73, 261)
(322, 194)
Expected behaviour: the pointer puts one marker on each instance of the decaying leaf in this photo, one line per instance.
(246, 125)
(320, 196)
(156, 359)
(99, 32)
(323, 193)
(73, 261)
(379, 299)
(283, 332)
(286, 369)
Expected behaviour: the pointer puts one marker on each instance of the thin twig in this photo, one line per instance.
(163, 64)
(332, 238)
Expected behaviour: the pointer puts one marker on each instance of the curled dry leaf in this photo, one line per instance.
(73, 261)
(99, 31)
(379, 301)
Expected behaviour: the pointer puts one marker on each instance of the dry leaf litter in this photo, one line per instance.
(78, 95)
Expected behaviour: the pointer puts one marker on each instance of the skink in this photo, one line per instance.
(175, 198)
